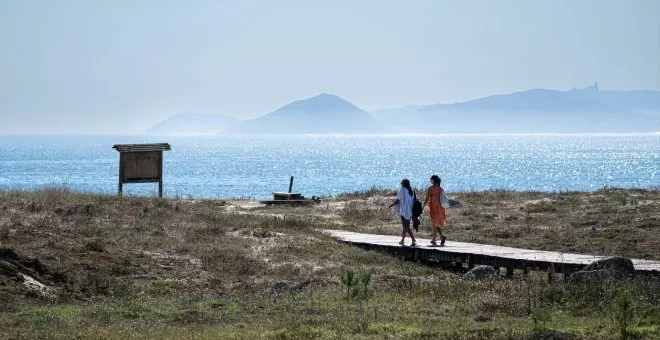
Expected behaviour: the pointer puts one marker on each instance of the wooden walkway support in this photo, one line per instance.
(474, 254)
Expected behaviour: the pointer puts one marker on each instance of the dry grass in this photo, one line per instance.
(146, 267)
(605, 222)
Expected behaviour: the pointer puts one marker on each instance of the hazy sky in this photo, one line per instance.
(94, 66)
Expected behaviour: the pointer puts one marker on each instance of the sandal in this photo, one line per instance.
(414, 244)
(401, 243)
(442, 240)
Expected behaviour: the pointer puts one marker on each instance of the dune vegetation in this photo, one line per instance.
(76, 265)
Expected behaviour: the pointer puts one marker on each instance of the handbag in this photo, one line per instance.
(417, 208)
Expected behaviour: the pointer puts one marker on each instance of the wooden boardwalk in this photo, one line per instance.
(472, 254)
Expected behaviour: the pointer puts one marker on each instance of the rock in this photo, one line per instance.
(590, 276)
(285, 286)
(34, 285)
(9, 266)
(607, 268)
(454, 203)
(261, 233)
(26, 270)
(483, 317)
(620, 266)
(18, 273)
(9, 269)
(551, 335)
(8, 253)
(481, 273)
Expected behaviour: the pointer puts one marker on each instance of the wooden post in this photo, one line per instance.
(525, 270)
(551, 272)
(160, 174)
(470, 261)
(566, 271)
(509, 271)
(291, 184)
(120, 189)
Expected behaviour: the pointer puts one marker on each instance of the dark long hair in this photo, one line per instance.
(436, 180)
(406, 184)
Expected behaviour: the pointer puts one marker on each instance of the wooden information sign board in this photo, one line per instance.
(141, 163)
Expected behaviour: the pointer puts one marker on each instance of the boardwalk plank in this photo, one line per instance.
(466, 249)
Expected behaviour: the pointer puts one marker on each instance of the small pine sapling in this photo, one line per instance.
(349, 280)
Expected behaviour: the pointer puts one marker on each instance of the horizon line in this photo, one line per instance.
(219, 136)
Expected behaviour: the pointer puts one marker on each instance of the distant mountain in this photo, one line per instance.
(587, 110)
(192, 124)
(637, 100)
(321, 114)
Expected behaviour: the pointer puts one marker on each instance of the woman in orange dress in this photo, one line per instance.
(438, 213)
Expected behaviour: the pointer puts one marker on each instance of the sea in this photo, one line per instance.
(254, 167)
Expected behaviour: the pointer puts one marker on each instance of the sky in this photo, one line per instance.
(120, 66)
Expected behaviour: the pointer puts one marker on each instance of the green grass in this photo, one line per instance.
(413, 314)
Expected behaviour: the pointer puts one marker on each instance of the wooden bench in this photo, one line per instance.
(287, 196)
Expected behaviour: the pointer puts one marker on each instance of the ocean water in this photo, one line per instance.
(254, 167)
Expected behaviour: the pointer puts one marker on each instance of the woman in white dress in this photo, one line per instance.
(403, 207)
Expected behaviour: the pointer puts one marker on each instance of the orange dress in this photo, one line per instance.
(438, 213)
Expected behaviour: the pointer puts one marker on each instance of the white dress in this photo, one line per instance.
(404, 207)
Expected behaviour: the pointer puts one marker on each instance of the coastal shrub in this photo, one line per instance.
(231, 261)
(623, 311)
(95, 244)
(363, 212)
(371, 192)
(540, 319)
(541, 207)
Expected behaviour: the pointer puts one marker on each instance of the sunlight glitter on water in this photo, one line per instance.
(328, 165)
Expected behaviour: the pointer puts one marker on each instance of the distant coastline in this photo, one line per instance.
(536, 111)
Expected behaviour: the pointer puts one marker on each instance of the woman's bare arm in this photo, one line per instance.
(428, 196)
